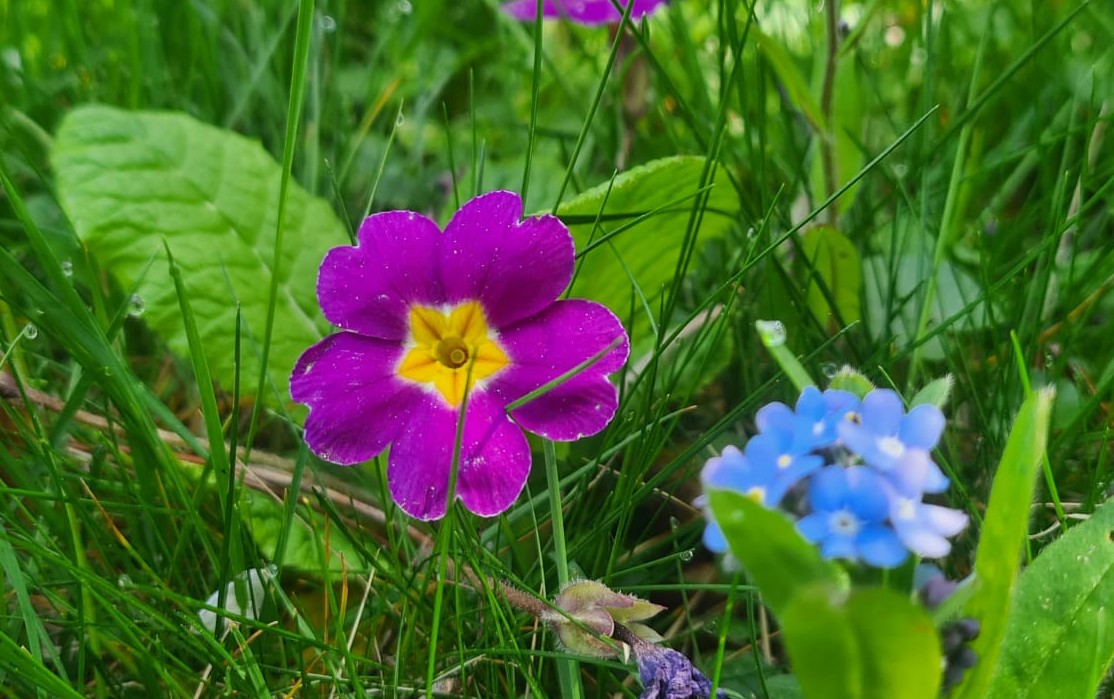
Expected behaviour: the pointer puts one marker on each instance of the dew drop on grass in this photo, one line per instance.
(136, 307)
(30, 331)
(772, 332)
(685, 555)
(400, 120)
(327, 24)
(404, 7)
(829, 370)
(124, 582)
(67, 268)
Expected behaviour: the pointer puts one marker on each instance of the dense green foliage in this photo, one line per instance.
(912, 188)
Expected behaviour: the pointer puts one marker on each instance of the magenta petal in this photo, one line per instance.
(514, 267)
(587, 12)
(368, 288)
(547, 345)
(494, 459)
(356, 404)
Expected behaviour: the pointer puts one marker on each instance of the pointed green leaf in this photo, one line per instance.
(1003, 534)
(644, 254)
(870, 644)
(1060, 637)
(129, 180)
(775, 556)
(934, 393)
(834, 276)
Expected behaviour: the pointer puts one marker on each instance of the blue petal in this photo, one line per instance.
(882, 412)
(880, 547)
(811, 404)
(839, 403)
(775, 417)
(714, 540)
(915, 473)
(919, 538)
(856, 438)
(813, 527)
(828, 489)
(922, 427)
(763, 452)
(838, 546)
(866, 496)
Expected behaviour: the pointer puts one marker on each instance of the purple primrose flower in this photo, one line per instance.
(433, 323)
(586, 12)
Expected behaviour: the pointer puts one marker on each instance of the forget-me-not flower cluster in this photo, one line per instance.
(862, 468)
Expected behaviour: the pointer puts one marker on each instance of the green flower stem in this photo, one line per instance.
(567, 668)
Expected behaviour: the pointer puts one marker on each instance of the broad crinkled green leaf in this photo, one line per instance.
(1060, 636)
(1003, 534)
(871, 643)
(645, 254)
(129, 180)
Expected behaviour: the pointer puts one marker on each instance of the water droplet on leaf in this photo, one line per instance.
(327, 24)
(67, 268)
(771, 331)
(136, 307)
(30, 331)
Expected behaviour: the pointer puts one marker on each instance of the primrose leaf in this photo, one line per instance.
(869, 644)
(775, 556)
(130, 180)
(1060, 637)
(646, 253)
(1003, 534)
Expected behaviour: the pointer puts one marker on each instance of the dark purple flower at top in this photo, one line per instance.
(586, 12)
(428, 318)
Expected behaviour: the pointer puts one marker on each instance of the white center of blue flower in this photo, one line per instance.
(844, 523)
(818, 428)
(904, 508)
(784, 460)
(891, 446)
